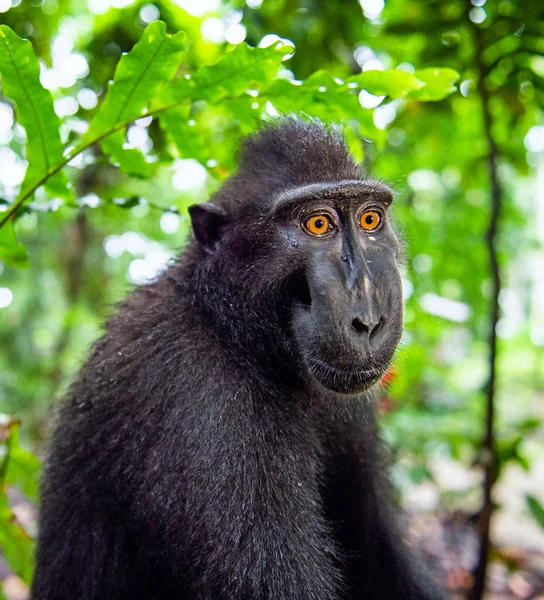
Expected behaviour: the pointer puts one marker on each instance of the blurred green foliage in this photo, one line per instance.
(119, 211)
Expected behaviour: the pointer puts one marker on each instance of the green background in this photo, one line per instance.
(88, 246)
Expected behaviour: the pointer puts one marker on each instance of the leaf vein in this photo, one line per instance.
(139, 81)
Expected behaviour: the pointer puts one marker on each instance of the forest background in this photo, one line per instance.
(442, 99)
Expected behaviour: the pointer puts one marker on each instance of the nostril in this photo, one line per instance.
(371, 329)
(359, 325)
(377, 328)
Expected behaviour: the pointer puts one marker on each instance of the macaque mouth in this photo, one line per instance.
(372, 373)
(344, 379)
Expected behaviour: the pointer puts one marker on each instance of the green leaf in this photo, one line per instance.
(23, 468)
(11, 251)
(21, 83)
(174, 123)
(439, 83)
(420, 473)
(130, 202)
(393, 83)
(243, 68)
(322, 81)
(20, 467)
(24, 472)
(16, 545)
(536, 508)
(130, 160)
(139, 76)
(322, 96)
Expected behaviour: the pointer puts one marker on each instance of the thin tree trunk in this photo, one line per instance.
(488, 457)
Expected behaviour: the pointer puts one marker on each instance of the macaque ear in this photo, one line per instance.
(208, 221)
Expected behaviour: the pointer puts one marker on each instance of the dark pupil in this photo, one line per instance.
(369, 220)
(319, 223)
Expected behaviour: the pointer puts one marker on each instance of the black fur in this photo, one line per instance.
(202, 454)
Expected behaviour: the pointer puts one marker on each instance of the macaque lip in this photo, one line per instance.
(342, 379)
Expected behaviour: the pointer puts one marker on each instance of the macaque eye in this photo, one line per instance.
(371, 220)
(319, 225)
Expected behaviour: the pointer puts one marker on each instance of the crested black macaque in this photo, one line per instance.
(221, 441)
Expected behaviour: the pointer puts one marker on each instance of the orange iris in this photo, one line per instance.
(371, 220)
(319, 224)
